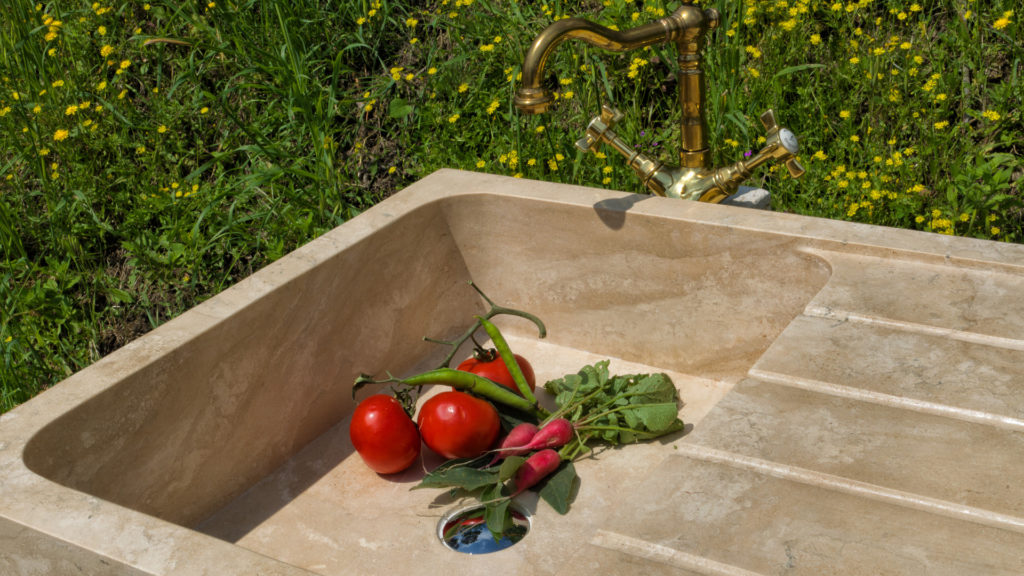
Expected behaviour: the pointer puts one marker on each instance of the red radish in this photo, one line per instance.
(515, 443)
(556, 433)
(536, 468)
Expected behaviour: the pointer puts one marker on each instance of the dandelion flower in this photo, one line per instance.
(161, 129)
(60, 135)
(453, 118)
(1004, 21)
(463, 87)
(431, 71)
(480, 164)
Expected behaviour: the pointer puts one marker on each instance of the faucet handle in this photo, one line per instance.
(597, 128)
(783, 144)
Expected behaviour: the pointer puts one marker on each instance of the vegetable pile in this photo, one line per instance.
(494, 391)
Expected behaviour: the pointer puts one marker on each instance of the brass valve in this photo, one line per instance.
(705, 185)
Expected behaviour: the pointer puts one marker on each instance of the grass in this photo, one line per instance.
(155, 153)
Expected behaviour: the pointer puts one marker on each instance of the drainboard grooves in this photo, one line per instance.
(854, 487)
(927, 329)
(665, 555)
(890, 400)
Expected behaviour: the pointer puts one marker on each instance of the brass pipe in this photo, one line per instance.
(694, 179)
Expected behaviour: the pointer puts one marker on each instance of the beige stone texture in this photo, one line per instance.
(852, 394)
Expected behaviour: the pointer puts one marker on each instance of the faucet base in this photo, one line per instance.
(748, 197)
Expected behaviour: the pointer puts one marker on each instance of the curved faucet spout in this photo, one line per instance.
(686, 27)
(533, 98)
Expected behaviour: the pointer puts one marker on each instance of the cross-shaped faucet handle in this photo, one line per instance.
(598, 126)
(788, 147)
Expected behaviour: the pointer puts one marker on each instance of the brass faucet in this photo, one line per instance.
(694, 179)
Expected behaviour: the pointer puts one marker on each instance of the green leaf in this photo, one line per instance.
(656, 418)
(509, 467)
(498, 517)
(399, 108)
(463, 477)
(793, 69)
(650, 388)
(559, 489)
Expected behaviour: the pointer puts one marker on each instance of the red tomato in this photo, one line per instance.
(458, 425)
(384, 435)
(497, 371)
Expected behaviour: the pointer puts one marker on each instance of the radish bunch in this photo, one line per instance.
(526, 439)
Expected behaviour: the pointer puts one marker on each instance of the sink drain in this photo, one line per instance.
(466, 531)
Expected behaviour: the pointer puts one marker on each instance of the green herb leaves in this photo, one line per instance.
(616, 409)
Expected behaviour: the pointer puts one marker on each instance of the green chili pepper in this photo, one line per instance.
(466, 382)
(510, 360)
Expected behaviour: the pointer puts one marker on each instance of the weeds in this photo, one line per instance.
(155, 153)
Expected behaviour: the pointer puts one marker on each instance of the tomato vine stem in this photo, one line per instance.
(494, 310)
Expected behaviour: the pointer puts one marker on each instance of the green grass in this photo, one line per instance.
(154, 154)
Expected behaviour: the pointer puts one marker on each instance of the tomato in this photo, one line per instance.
(384, 435)
(495, 369)
(457, 425)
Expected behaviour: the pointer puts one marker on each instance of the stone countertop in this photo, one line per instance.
(852, 394)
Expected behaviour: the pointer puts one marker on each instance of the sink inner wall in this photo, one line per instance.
(198, 423)
(693, 298)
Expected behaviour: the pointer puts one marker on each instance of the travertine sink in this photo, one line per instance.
(855, 395)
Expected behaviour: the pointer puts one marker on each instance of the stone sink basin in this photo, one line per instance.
(854, 396)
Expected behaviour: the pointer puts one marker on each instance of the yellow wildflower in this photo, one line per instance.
(60, 135)
(1004, 21)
